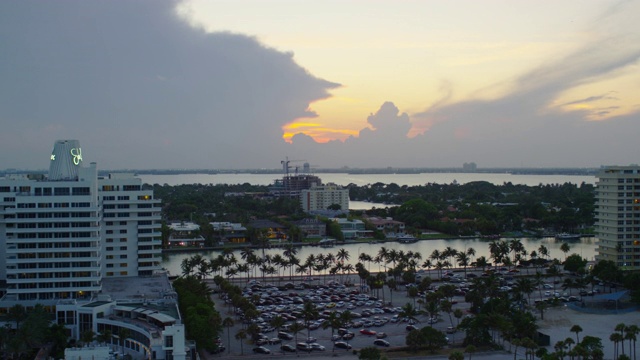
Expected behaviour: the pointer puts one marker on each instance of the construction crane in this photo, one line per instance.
(286, 166)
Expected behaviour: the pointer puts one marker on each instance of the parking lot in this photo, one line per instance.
(376, 321)
(374, 318)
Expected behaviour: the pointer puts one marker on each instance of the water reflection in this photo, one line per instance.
(586, 248)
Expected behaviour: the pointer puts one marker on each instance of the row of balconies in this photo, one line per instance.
(54, 289)
(14, 280)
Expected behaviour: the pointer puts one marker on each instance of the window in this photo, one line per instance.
(59, 191)
(168, 341)
(81, 191)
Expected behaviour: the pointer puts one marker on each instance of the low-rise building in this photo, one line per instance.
(353, 229)
(230, 232)
(388, 226)
(312, 228)
(185, 234)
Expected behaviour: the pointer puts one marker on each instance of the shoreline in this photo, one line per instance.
(240, 246)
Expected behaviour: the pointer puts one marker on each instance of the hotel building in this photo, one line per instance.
(618, 215)
(62, 236)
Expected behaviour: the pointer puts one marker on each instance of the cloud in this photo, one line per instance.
(141, 88)
(591, 99)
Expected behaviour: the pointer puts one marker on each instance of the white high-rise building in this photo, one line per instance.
(321, 197)
(61, 234)
(88, 248)
(618, 215)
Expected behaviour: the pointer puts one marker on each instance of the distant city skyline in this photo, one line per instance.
(243, 84)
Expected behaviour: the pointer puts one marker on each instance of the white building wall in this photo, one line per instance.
(322, 196)
(50, 237)
(131, 223)
(618, 215)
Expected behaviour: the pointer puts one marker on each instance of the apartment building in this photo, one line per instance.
(618, 215)
(66, 234)
(319, 198)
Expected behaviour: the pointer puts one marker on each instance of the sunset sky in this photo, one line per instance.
(376, 83)
(421, 53)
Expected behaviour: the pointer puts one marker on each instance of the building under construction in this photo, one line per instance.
(292, 184)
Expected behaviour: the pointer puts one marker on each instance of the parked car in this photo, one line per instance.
(348, 336)
(303, 346)
(285, 335)
(367, 332)
(381, 335)
(275, 341)
(287, 348)
(451, 330)
(316, 347)
(411, 327)
(381, 342)
(311, 339)
(261, 350)
(342, 345)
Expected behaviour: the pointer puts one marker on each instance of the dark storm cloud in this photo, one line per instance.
(140, 88)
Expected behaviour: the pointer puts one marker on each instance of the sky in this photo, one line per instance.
(236, 84)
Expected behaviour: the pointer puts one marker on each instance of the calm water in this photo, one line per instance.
(585, 247)
(360, 180)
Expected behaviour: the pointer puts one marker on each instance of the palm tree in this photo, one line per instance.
(629, 336)
(123, 333)
(565, 249)
(576, 329)
(228, 323)
(635, 330)
(482, 263)
(342, 255)
(568, 283)
(616, 338)
(309, 313)
(543, 251)
(463, 260)
(241, 336)
(366, 257)
(277, 322)
(621, 328)
(525, 286)
(296, 328)
(409, 312)
(333, 321)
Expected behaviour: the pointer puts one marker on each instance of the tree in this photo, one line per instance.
(369, 353)
(123, 333)
(409, 312)
(576, 329)
(105, 336)
(565, 249)
(228, 323)
(17, 313)
(456, 355)
(296, 328)
(470, 349)
(241, 335)
(87, 337)
(433, 339)
(574, 263)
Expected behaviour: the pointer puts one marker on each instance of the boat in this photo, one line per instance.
(327, 242)
(407, 239)
(567, 236)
